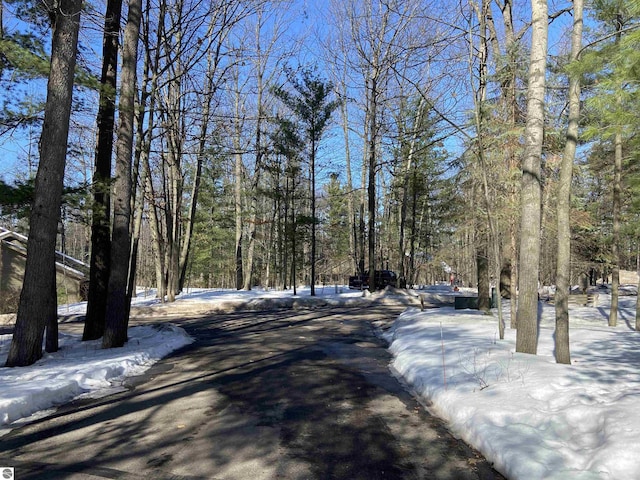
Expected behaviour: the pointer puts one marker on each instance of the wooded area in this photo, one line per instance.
(239, 144)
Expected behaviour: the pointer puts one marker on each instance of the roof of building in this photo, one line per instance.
(18, 243)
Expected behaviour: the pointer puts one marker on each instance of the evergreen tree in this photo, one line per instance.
(311, 104)
(614, 68)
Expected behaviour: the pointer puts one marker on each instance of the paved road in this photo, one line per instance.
(276, 395)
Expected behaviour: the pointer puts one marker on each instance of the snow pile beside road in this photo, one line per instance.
(81, 368)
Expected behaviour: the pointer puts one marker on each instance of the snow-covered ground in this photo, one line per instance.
(534, 419)
(79, 369)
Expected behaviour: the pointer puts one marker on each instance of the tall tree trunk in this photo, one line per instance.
(145, 133)
(511, 106)
(563, 265)
(482, 262)
(138, 209)
(212, 63)
(175, 182)
(480, 174)
(174, 220)
(154, 226)
(412, 274)
(38, 303)
(285, 231)
(615, 236)
(100, 233)
(294, 232)
(138, 194)
(353, 241)
(371, 185)
(237, 194)
(527, 321)
(117, 319)
(617, 200)
(362, 228)
(253, 223)
(407, 172)
(312, 167)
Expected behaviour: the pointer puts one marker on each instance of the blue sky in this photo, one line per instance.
(309, 21)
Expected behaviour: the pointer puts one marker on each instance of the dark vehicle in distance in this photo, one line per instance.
(382, 279)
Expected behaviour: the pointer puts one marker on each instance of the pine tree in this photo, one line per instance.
(311, 104)
(39, 279)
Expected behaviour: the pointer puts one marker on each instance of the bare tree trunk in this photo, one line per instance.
(615, 237)
(294, 282)
(260, 70)
(482, 261)
(371, 185)
(100, 232)
(174, 217)
(138, 194)
(253, 222)
(312, 171)
(175, 119)
(150, 84)
(482, 238)
(285, 230)
(117, 319)
(237, 194)
(563, 266)
(362, 226)
(527, 333)
(38, 303)
(617, 200)
(154, 225)
(138, 208)
(511, 107)
(350, 193)
(362, 229)
(407, 172)
(412, 273)
(195, 189)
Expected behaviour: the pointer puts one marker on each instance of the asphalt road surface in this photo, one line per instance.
(287, 394)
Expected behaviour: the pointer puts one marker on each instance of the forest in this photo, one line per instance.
(254, 143)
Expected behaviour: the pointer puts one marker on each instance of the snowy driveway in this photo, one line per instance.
(286, 394)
